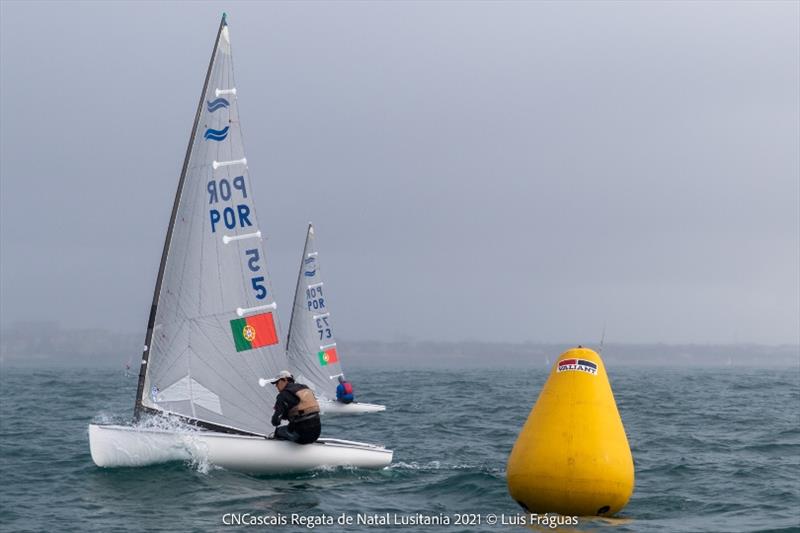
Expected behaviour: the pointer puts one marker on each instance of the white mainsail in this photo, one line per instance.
(311, 346)
(213, 329)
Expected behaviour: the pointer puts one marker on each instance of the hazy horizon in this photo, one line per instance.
(500, 172)
(38, 345)
(33, 328)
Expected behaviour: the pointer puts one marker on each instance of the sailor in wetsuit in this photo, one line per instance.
(344, 391)
(297, 404)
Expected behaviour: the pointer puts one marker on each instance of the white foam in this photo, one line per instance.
(165, 422)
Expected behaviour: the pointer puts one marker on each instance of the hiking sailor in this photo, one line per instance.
(344, 391)
(296, 403)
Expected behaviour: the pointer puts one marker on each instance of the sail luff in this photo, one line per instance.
(299, 280)
(168, 239)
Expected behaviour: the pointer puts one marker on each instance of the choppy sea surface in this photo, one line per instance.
(714, 450)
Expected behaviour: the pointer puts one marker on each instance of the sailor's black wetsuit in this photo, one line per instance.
(296, 403)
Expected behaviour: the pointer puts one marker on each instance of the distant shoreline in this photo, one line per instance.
(36, 345)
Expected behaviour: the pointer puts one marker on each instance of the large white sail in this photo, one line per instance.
(311, 346)
(213, 329)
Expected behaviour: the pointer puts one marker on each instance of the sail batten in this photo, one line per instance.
(204, 361)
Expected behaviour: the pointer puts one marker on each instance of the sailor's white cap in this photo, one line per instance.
(283, 374)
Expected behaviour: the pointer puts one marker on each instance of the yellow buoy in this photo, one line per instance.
(572, 456)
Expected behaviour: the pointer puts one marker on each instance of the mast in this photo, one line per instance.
(167, 241)
(299, 278)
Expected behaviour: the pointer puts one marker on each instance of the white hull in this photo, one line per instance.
(115, 446)
(329, 407)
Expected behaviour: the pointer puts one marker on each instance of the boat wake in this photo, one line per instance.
(439, 465)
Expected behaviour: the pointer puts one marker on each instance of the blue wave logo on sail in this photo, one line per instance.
(217, 104)
(311, 264)
(216, 135)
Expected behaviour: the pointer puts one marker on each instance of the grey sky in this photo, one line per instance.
(493, 171)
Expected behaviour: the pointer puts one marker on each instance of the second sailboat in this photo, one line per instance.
(311, 347)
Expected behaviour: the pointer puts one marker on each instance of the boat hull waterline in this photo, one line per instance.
(126, 446)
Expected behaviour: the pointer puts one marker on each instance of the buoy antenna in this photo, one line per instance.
(602, 338)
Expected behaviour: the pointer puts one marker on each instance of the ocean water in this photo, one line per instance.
(714, 449)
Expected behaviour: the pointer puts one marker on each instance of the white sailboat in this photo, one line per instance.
(311, 347)
(213, 328)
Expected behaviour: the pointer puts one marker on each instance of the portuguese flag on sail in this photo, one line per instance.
(327, 355)
(254, 332)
